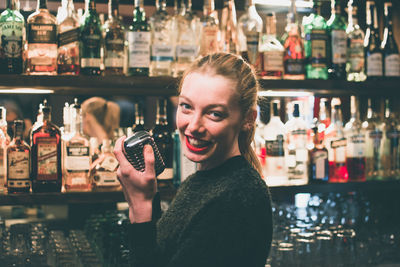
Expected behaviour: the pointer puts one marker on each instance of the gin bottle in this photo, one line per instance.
(373, 52)
(12, 34)
(42, 41)
(210, 35)
(391, 59)
(229, 42)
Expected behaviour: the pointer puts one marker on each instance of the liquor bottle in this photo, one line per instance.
(162, 41)
(337, 50)
(163, 138)
(91, 41)
(272, 51)
(373, 52)
(42, 41)
(114, 41)
(139, 37)
(12, 29)
(323, 113)
(187, 47)
(18, 162)
(373, 140)
(335, 142)
(293, 59)
(355, 47)
(390, 144)
(274, 135)
(68, 60)
(250, 27)
(355, 149)
(3, 149)
(139, 118)
(194, 21)
(229, 41)
(391, 57)
(3, 124)
(77, 155)
(104, 172)
(46, 155)
(296, 151)
(210, 35)
(319, 163)
(316, 44)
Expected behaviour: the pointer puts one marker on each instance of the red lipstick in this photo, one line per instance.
(194, 149)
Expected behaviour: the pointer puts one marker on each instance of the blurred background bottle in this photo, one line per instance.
(372, 42)
(391, 57)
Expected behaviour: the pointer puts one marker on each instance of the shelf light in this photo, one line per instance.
(284, 3)
(273, 93)
(25, 91)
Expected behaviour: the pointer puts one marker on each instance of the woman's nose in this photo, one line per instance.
(195, 124)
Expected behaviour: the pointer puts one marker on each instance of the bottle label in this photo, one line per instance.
(356, 55)
(294, 66)
(42, 33)
(68, 37)
(109, 164)
(318, 39)
(319, 159)
(162, 53)
(376, 136)
(186, 51)
(47, 158)
(339, 46)
(252, 42)
(105, 178)
(36, 52)
(90, 62)
(11, 39)
(209, 40)
(139, 49)
(275, 147)
(116, 45)
(392, 65)
(77, 159)
(273, 61)
(393, 136)
(339, 147)
(374, 64)
(18, 165)
(356, 146)
(114, 53)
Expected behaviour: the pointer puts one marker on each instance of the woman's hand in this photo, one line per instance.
(139, 187)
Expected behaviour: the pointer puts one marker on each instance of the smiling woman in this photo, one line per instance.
(221, 214)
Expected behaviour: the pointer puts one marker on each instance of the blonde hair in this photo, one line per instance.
(107, 113)
(243, 75)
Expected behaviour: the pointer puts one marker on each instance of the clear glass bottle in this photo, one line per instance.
(355, 149)
(4, 141)
(162, 41)
(355, 47)
(139, 38)
(337, 51)
(3, 124)
(77, 155)
(373, 52)
(91, 41)
(316, 44)
(68, 60)
(114, 41)
(210, 34)
(12, 34)
(18, 162)
(229, 41)
(373, 141)
(46, 155)
(272, 51)
(42, 41)
(274, 136)
(391, 57)
(250, 27)
(296, 150)
(104, 172)
(319, 163)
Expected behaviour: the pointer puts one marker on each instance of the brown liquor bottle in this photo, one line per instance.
(18, 162)
(46, 155)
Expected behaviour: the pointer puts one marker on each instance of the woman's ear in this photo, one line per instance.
(249, 120)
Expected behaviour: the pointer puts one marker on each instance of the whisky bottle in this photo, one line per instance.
(272, 51)
(210, 34)
(355, 51)
(391, 57)
(18, 162)
(139, 38)
(77, 155)
(68, 60)
(46, 155)
(91, 41)
(42, 41)
(162, 41)
(337, 51)
(114, 40)
(104, 172)
(229, 42)
(12, 35)
(373, 52)
(316, 44)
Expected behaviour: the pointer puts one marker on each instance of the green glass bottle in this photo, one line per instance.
(12, 28)
(316, 44)
(139, 36)
(391, 56)
(337, 42)
(372, 42)
(91, 41)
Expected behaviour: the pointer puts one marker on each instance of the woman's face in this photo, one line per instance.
(208, 119)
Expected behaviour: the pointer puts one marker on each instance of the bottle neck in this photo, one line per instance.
(70, 7)
(19, 131)
(113, 12)
(337, 116)
(161, 118)
(270, 25)
(92, 5)
(41, 4)
(208, 8)
(388, 17)
(189, 5)
(275, 110)
(369, 109)
(387, 109)
(106, 146)
(46, 117)
(372, 19)
(354, 108)
(13, 4)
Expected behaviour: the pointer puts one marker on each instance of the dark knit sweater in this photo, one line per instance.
(219, 217)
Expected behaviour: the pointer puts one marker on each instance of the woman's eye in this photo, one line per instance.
(216, 114)
(184, 106)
